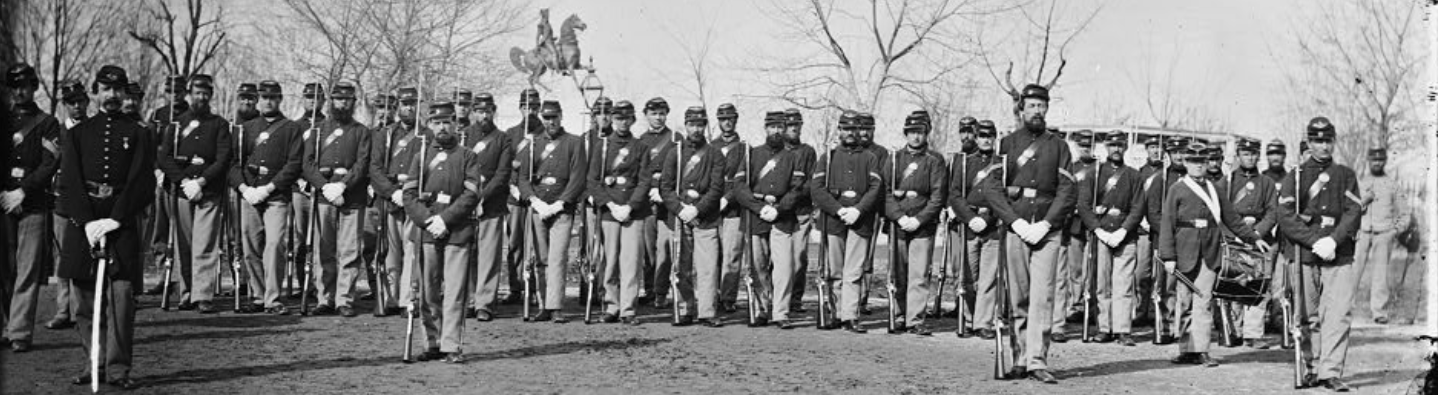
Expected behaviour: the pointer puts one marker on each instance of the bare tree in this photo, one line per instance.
(1360, 63)
(188, 42)
(1153, 78)
(696, 58)
(63, 39)
(1046, 35)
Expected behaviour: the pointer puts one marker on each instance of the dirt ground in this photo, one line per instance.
(190, 353)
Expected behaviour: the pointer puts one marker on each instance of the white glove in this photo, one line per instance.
(908, 224)
(556, 207)
(768, 213)
(1117, 237)
(688, 213)
(948, 212)
(1103, 236)
(96, 229)
(249, 194)
(654, 195)
(1325, 248)
(264, 192)
(514, 192)
(334, 192)
(978, 224)
(1144, 224)
(723, 203)
(1263, 246)
(159, 176)
(191, 188)
(1249, 221)
(1041, 229)
(1021, 228)
(620, 212)
(1170, 266)
(849, 215)
(369, 191)
(10, 200)
(397, 197)
(435, 226)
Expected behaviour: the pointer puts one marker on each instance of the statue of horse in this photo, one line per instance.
(561, 55)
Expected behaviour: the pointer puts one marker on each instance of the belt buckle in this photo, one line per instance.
(621, 180)
(692, 194)
(1327, 221)
(1113, 211)
(264, 171)
(197, 161)
(849, 194)
(17, 172)
(911, 194)
(770, 199)
(340, 171)
(442, 198)
(403, 177)
(1031, 193)
(609, 180)
(898, 193)
(1200, 223)
(982, 210)
(548, 181)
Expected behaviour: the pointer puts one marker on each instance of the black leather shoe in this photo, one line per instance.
(1310, 380)
(558, 317)
(1380, 320)
(1017, 372)
(207, 307)
(347, 311)
(609, 318)
(1334, 384)
(1126, 340)
(454, 358)
(323, 310)
(987, 334)
(919, 330)
(58, 324)
(471, 313)
(1186, 358)
(124, 384)
(544, 315)
(729, 307)
(853, 327)
(1207, 361)
(432, 354)
(1058, 337)
(661, 302)
(278, 310)
(684, 321)
(784, 324)
(631, 321)
(710, 322)
(1043, 376)
(798, 308)
(185, 306)
(760, 322)
(20, 346)
(483, 315)
(250, 308)
(1103, 338)
(1257, 344)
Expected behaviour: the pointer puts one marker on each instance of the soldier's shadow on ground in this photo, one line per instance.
(224, 374)
(224, 321)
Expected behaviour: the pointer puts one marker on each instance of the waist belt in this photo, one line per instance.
(337, 171)
(547, 181)
(766, 198)
(435, 198)
(259, 170)
(616, 181)
(99, 190)
(17, 173)
(1113, 211)
(1026, 193)
(191, 160)
(900, 194)
(1195, 224)
(848, 194)
(979, 210)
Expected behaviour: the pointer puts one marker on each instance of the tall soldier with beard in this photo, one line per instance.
(1068, 283)
(27, 203)
(195, 169)
(495, 155)
(1113, 213)
(107, 161)
(804, 158)
(768, 191)
(692, 183)
(847, 189)
(520, 135)
(730, 235)
(1034, 199)
(391, 151)
(1327, 193)
(968, 126)
(551, 179)
(983, 228)
(1277, 154)
(913, 206)
(248, 95)
(1255, 200)
(339, 171)
(619, 183)
(441, 210)
(157, 229)
(271, 151)
(659, 259)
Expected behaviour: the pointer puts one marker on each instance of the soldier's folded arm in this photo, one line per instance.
(796, 189)
(1288, 222)
(462, 206)
(49, 132)
(874, 192)
(640, 194)
(294, 160)
(991, 193)
(1347, 228)
(139, 184)
(709, 202)
(1269, 194)
(224, 150)
(1064, 196)
(165, 158)
(574, 189)
(1167, 246)
(1137, 204)
(819, 188)
(1233, 222)
(359, 172)
(1085, 202)
(958, 198)
(594, 183)
(311, 170)
(667, 180)
(77, 205)
(526, 188)
(378, 174)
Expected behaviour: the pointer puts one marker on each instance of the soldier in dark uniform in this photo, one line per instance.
(848, 195)
(1143, 261)
(982, 229)
(339, 171)
(248, 95)
(913, 208)
(1277, 155)
(312, 99)
(27, 202)
(968, 128)
(601, 123)
(804, 158)
(1068, 282)
(866, 140)
(1034, 198)
(1327, 194)
(1255, 200)
(196, 170)
(1215, 163)
(391, 151)
(264, 175)
(691, 184)
(552, 182)
(496, 156)
(107, 162)
(383, 106)
(659, 259)
(77, 104)
(134, 102)
(1113, 214)
(157, 228)
(463, 107)
(730, 234)
(600, 126)
(1195, 212)
(520, 136)
(176, 86)
(440, 194)
(619, 183)
(767, 190)
(1155, 189)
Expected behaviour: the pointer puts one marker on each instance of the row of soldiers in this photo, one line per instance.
(675, 213)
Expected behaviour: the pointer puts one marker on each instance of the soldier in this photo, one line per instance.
(552, 182)
(913, 206)
(768, 190)
(249, 96)
(866, 140)
(600, 126)
(311, 98)
(1143, 262)
(968, 126)
(1255, 200)
(1215, 163)
(383, 106)
(495, 156)
(391, 152)
(1155, 190)
(520, 136)
(338, 167)
(1277, 155)
(109, 158)
(619, 185)
(691, 184)
(133, 102)
(804, 158)
(1190, 242)
(730, 234)
(264, 175)
(1034, 198)
(157, 229)
(848, 201)
(1069, 281)
(176, 87)
(440, 194)
(195, 160)
(1382, 219)
(657, 253)
(27, 201)
(77, 104)
(463, 108)
(981, 263)
(1113, 213)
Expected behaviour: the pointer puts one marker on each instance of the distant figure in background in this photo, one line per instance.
(1382, 219)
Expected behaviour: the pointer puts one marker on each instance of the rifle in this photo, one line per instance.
(1090, 262)
(746, 259)
(1301, 369)
(417, 305)
(236, 244)
(101, 255)
(678, 238)
(1156, 294)
(892, 284)
(1003, 319)
(531, 259)
(962, 308)
(171, 249)
(825, 318)
(596, 247)
(313, 226)
(381, 252)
